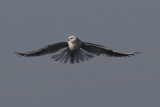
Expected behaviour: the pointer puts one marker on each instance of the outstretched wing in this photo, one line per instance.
(101, 50)
(46, 50)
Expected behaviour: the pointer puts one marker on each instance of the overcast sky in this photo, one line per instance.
(124, 25)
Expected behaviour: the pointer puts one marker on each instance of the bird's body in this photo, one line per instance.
(75, 50)
(74, 43)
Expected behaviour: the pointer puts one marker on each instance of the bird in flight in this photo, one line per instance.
(75, 51)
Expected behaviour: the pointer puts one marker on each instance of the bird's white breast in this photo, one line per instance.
(75, 45)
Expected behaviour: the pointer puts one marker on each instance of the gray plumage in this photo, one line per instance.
(75, 51)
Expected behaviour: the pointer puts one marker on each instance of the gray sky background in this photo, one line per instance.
(125, 25)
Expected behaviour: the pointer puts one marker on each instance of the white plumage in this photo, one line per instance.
(75, 50)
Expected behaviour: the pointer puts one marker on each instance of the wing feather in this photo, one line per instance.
(101, 50)
(46, 50)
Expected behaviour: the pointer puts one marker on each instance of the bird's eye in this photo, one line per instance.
(71, 38)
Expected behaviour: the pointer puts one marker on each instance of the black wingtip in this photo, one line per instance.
(138, 52)
(18, 53)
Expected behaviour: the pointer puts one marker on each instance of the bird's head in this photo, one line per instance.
(72, 39)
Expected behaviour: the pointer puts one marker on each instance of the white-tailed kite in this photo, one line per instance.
(75, 50)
